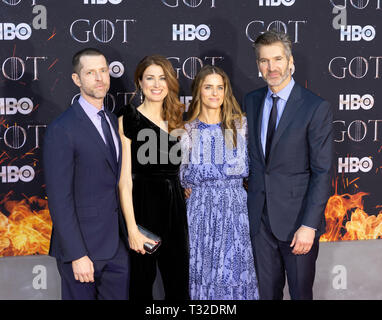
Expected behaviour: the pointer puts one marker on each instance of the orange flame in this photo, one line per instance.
(27, 229)
(347, 220)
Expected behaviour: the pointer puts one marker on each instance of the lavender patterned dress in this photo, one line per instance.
(221, 260)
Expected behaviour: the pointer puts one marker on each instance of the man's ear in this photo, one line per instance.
(291, 65)
(258, 67)
(76, 79)
(291, 61)
(292, 69)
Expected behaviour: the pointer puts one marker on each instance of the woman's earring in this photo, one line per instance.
(141, 95)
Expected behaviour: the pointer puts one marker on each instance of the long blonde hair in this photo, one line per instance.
(230, 110)
(173, 109)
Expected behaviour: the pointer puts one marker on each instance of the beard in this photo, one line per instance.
(278, 81)
(96, 93)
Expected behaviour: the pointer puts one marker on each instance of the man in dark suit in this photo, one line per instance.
(290, 150)
(82, 162)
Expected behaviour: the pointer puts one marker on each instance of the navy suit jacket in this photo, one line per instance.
(82, 187)
(295, 183)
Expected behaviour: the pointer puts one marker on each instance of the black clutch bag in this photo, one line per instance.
(150, 248)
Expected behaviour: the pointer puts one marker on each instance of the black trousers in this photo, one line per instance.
(111, 279)
(274, 259)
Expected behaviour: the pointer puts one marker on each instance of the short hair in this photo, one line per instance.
(84, 52)
(271, 37)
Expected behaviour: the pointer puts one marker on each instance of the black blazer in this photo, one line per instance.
(82, 187)
(295, 183)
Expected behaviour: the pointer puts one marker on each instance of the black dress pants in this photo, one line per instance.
(274, 259)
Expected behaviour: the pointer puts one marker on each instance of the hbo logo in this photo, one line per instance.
(355, 102)
(276, 3)
(353, 165)
(11, 174)
(102, 1)
(8, 31)
(357, 33)
(116, 69)
(12, 106)
(188, 32)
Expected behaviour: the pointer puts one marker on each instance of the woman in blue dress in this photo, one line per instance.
(214, 163)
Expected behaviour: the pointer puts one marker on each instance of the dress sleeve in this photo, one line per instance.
(131, 121)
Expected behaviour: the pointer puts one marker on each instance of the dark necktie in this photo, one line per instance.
(271, 127)
(107, 134)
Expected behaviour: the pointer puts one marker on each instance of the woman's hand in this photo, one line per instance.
(137, 241)
(187, 192)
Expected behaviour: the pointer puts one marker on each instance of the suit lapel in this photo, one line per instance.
(114, 123)
(294, 102)
(259, 122)
(258, 102)
(94, 134)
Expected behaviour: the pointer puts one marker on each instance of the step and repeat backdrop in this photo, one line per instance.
(338, 55)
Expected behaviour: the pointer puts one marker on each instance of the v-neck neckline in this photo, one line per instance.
(160, 128)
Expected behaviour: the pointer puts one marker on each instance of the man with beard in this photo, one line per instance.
(82, 161)
(290, 149)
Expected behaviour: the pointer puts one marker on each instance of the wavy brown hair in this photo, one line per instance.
(172, 109)
(230, 109)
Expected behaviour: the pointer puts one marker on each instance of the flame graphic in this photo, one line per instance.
(27, 229)
(347, 220)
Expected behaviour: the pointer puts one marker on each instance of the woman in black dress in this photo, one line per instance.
(150, 191)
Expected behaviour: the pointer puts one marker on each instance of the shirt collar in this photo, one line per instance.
(285, 92)
(90, 110)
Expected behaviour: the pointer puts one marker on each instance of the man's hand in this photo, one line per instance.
(303, 240)
(83, 269)
(245, 184)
